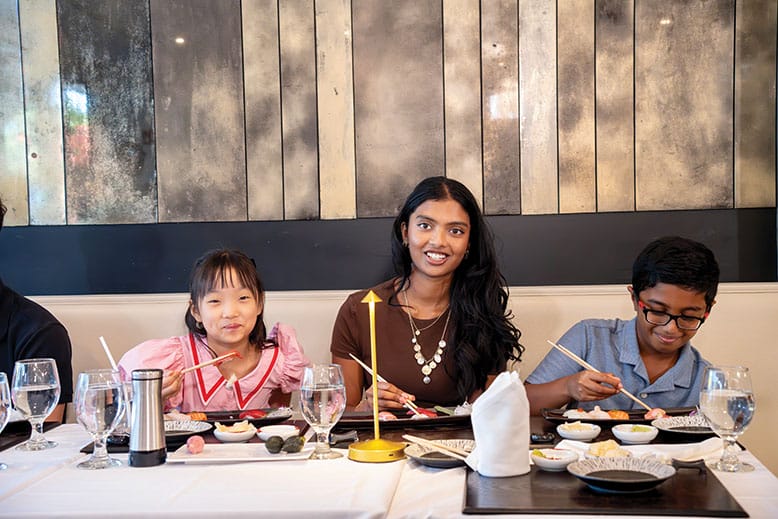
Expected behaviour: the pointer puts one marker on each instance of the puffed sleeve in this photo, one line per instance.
(164, 354)
(294, 357)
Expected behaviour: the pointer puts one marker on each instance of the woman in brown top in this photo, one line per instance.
(443, 330)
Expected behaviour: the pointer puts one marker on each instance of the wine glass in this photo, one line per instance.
(5, 406)
(99, 405)
(35, 390)
(727, 402)
(323, 400)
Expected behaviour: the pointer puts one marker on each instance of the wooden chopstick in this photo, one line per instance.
(588, 366)
(410, 405)
(438, 447)
(217, 360)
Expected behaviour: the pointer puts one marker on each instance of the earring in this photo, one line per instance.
(405, 244)
(467, 252)
(199, 326)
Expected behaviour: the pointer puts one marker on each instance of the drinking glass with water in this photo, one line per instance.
(36, 389)
(5, 406)
(99, 404)
(727, 402)
(323, 400)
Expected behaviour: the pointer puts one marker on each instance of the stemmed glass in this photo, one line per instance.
(727, 402)
(323, 400)
(36, 390)
(99, 404)
(5, 406)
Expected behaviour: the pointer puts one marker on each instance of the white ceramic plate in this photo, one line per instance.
(634, 434)
(185, 427)
(284, 431)
(432, 458)
(581, 432)
(554, 460)
(696, 424)
(235, 453)
(621, 475)
(233, 437)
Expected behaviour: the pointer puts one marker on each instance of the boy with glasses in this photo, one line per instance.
(674, 283)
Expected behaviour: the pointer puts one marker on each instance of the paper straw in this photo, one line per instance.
(108, 354)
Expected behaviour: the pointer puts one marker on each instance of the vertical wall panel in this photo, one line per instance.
(198, 89)
(398, 79)
(13, 180)
(108, 118)
(298, 109)
(614, 38)
(575, 50)
(262, 85)
(337, 167)
(500, 101)
(683, 104)
(538, 106)
(43, 106)
(462, 85)
(755, 103)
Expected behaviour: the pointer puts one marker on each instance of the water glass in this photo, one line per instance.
(99, 405)
(322, 401)
(5, 406)
(727, 402)
(35, 390)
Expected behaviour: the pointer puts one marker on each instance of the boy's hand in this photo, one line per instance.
(586, 386)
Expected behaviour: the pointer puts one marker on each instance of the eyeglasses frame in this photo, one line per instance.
(672, 317)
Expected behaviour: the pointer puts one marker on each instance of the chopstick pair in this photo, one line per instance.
(588, 366)
(217, 361)
(410, 405)
(438, 447)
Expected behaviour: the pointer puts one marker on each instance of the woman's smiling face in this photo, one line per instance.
(438, 235)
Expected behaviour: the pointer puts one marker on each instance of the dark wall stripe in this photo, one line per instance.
(349, 254)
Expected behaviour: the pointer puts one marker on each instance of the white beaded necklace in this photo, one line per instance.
(427, 365)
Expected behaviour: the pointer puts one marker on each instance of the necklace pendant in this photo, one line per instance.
(418, 332)
(426, 369)
(413, 340)
(420, 360)
(437, 358)
(417, 348)
(426, 380)
(442, 344)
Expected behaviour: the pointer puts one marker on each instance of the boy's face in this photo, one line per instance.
(669, 338)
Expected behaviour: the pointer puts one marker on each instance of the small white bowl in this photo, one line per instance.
(284, 431)
(234, 437)
(627, 433)
(554, 460)
(578, 431)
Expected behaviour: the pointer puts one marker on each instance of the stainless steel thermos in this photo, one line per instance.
(147, 436)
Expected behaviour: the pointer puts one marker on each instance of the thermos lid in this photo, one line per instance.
(146, 374)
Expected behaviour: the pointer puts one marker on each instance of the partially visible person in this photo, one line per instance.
(225, 314)
(674, 284)
(29, 331)
(443, 330)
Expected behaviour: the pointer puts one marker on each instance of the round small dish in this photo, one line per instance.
(634, 434)
(696, 425)
(578, 431)
(233, 437)
(621, 475)
(554, 460)
(284, 431)
(175, 428)
(435, 459)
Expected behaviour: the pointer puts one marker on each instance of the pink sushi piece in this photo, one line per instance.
(195, 444)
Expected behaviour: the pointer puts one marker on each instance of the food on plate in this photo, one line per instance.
(195, 444)
(607, 449)
(274, 444)
(293, 444)
(548, 454)
(252, 414)
(177, 416)
(196, 415)
(421, 416)
(641, 428)
(596, 414)
(576, 426)
(386, 416)
(237, 427)
(425, 413)
(617, 414)
(464, 409)
(656, 412)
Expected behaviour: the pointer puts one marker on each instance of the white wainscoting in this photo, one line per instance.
(741, 329)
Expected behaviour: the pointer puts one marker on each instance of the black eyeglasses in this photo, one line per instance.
(683, 322)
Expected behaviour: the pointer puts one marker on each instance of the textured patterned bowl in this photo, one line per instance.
(621, 475)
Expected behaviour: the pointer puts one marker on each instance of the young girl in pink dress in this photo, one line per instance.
(225, 314)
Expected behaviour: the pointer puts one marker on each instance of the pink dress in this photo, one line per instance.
(206, 389)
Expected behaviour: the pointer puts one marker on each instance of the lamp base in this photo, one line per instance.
(376, 451)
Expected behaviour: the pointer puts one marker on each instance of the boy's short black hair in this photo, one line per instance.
(677, 261)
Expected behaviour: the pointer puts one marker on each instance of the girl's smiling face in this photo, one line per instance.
(437, 234)
(228, 312)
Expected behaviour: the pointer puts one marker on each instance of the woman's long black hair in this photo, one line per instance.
(484, 337)
(213, 270)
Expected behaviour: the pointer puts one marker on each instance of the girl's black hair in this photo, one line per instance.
(484, 338)
(212, 270)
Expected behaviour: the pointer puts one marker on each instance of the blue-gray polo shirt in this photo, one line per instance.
(612, 346)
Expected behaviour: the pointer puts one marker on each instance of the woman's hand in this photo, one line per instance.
(172, 382)
(389, 397)
(586, 386)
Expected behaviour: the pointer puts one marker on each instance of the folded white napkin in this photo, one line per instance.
(501, 428)
(705, 450)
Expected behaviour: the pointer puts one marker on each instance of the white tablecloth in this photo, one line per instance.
(47, 484)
